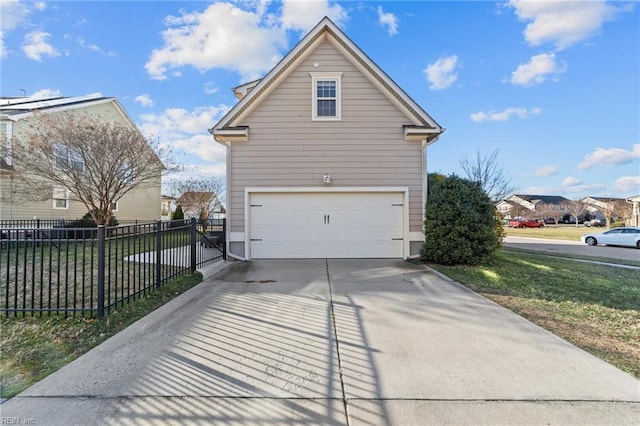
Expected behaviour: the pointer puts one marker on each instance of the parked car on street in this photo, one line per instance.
(593, 223)
(526, 223)
(549, 221)
(626, 236)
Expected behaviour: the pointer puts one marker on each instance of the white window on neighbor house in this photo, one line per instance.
(326, 90)
(114, 206)
(67, 159)
(126, 173)
(60, 198)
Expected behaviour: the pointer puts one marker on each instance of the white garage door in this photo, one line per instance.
(326, 225)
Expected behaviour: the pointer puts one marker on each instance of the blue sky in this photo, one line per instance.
(553, 85)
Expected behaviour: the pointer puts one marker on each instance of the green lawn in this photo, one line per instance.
(558, 232)
(31, 348)
(596, 307)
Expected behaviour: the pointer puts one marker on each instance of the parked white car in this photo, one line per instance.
(629, 236)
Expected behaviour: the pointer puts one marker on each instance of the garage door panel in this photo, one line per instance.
(326, 225)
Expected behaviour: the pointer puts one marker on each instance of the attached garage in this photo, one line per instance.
(316, 223)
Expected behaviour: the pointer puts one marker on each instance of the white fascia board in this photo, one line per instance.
(420, 133)
(299, 53)
(230, 135)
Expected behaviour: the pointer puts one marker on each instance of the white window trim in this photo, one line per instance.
(57, 190)
(117, 203)
(324, 76)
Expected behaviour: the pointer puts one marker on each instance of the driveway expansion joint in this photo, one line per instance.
(335, 336)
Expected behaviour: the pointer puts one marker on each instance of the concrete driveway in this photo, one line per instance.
(358, 342)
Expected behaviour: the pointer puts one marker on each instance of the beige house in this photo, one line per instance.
(142, 204)
(326, 157)
(635, 210)
(530, 205)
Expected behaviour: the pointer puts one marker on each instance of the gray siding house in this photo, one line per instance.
(326, 157)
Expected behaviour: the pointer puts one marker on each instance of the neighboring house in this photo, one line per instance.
(605, 207)
(326, 157)
(532, 205)
(635, 210)
(15, 113)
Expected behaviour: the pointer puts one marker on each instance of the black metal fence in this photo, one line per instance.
(91, 271)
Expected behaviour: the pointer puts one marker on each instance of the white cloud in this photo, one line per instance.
(629, 185)
(14, 13)
(46, 93)
(537, 70)
(441, 74)
(388, 19)
(303, 15)
(574, 185)
(211, 39)
(40, 5)
(610, 157)
(546, 171)
(210, 88)
(3, 48)
(144, 100)
(563, 23)
(238, 36)
(186, 131)
(35, 46)
(505, 115)
(571, 181)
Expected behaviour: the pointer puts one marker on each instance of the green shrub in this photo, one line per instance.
(88, 222)
(461, 223)
(178, 214)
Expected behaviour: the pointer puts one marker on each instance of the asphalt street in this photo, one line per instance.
(572, 247)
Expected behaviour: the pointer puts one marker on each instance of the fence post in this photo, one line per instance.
(193, 244)
(101, 272)
(224, 235)
(158, 252)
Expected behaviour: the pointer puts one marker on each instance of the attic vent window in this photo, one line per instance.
(326, 96)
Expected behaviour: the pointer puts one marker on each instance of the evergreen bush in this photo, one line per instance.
(461, 224)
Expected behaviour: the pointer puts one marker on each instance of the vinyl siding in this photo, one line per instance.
(143, 204)
(287, 148)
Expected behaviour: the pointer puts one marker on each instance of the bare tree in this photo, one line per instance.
(614, 208)
(575, 208)
(550, 211)
(96, 160)
(198, 197)
(486, 170)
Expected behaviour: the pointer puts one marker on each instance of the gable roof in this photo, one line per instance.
(602, 199)
(547, 199)
(18, 108)
(422, 124)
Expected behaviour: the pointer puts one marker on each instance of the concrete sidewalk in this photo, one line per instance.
(332, 342)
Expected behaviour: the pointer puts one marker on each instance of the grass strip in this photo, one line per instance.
(31, 348)
(578, 257)
(595, 307)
